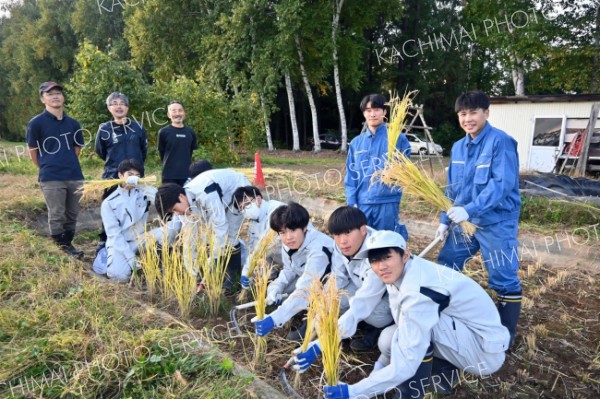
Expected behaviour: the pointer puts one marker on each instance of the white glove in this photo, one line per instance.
(274, 298)
(442, 232)
(457, 214)
(132, 180)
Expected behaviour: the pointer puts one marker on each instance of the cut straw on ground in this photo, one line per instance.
(402, 172)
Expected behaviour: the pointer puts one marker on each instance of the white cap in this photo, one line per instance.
(382, 239)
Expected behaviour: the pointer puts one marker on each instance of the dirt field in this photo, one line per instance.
(556, 354)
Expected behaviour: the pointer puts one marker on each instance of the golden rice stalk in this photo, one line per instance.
(93, 189)
(399, 109)
(326, 300)
(179, 282)
(213, 266)
(150, 260)
(311, 317)
(401, 171)
(259, 292)
(258, 256)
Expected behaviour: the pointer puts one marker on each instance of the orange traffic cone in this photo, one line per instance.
(259, 178)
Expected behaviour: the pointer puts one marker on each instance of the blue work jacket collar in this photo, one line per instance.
(480, 136)
(381, 128)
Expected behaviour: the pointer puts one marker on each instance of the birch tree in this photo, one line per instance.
(311, 101)
(336, 75)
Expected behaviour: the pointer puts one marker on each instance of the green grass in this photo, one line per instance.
(546, 215)
(65, 334)
(271, 160)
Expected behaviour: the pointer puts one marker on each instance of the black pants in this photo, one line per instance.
(179, 182)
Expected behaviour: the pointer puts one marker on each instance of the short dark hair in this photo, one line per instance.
(175, 102)
(199, 166)
(378, 254)
(166, 198)
(345, 219)
(242, 193)
(130, 164)
(472, 100)
(376, 100)
(292, 216)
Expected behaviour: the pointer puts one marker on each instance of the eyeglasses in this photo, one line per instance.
(117, 104)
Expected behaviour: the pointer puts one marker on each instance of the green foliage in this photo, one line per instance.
(224, 124)
(540, 213)
(98, 74)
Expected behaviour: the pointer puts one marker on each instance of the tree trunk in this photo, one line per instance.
(336, 75)
(518, 76)
(267, 126)
(311, 101)
(295, 136)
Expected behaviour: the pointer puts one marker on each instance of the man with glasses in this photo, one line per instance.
(54, 141)
(118, 140)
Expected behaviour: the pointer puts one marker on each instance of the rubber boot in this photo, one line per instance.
(416, 386)
(298, 334)
(69, 248)
(509, 307)
(444, 376)
(370, 334)
(234, 268)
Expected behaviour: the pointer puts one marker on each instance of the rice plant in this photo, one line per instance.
(262, 271)
(401, 171)
(258, 256)
(149, 258)
(326, 300)
(213, 266)
(179, 282)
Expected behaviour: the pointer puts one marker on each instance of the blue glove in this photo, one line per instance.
(457, 214)
(305, 359)
(339, 391)
(245, 282)
(264, 326)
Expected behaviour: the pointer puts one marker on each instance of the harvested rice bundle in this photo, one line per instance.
(326, 300)
(93, 189)
(401, 171)
(258, 256)
(259, 291)
(399, 108)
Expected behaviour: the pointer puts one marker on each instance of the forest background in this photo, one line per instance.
(276, 74)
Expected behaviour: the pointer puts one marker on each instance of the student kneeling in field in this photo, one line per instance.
(209, 196)
(124, 215)
(257, 211)
(306, 255)
(366, 301)
(444, 321)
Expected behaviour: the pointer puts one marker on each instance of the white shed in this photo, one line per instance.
(544, 126)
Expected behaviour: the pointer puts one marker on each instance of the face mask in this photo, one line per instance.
(252, 211)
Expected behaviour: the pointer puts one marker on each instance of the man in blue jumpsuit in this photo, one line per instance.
(483, 184)
(368, 154)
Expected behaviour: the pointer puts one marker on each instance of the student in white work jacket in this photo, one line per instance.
(257, 211)
(124, 215)
(437, 310)
(306, 254)
(365, 302)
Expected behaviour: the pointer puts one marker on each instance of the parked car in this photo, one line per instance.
(328, 141)
(419, 146)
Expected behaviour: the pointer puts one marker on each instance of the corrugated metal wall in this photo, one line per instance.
(516, 119)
